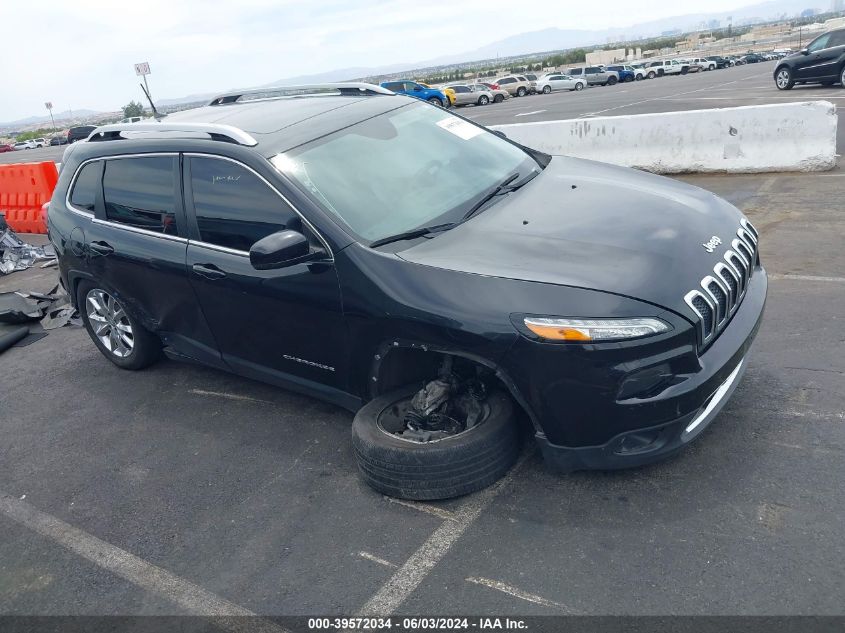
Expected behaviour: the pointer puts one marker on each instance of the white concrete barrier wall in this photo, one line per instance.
(748, 139)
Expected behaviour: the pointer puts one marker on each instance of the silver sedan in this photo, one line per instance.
(559, 81)
(471, 94)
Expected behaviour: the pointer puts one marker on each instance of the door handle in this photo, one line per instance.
(102, 248)
(209, 271)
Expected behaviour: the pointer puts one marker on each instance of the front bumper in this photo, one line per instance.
(639, 430)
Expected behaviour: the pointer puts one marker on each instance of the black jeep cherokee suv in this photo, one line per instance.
(822, 61)
(443, 282)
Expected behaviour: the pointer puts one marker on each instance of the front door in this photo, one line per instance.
(283, 325)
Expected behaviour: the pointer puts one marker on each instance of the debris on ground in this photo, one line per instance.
(15, 254)
(52, 310)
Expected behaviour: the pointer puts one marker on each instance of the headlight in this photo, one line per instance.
(587, 330)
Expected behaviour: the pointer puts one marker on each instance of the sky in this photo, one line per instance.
(80, 54)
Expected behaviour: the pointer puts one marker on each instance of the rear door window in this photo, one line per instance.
(234, 208)
(141, 193)
(84, 192)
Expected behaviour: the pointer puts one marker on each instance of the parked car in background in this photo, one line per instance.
(499, 94)
(25, 145)
(416, 89)
(664, 67)
(721, 62)
(516, 85)
(753, 58)
(58, 140)
(822, 61)
(450, 94)
(79, 133)
(626, 73)
(559, 81)
(40, 142)
(6, 147)
(594, 75)
(471, 94)
(689, 66)
(703, 63)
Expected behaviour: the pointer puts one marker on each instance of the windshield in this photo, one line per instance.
(411, 167)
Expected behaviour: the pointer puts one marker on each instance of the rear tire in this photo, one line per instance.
(521, 92)
(498, 99)
(145, 347)
(451, 467)
(483, 100)
(579, 86)
(784, 79)
(612, 81)
(651, 74)
(628, 79)
(547, 89)
(842, 77)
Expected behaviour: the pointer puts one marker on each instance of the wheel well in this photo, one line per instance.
(397, 365)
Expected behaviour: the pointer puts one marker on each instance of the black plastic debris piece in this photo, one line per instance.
(10, 337)
(52, 309)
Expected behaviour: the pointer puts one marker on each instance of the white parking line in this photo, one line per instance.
(228, 396)
(777, 277)
(519, 593)
(408, 577)
(149, 577)
(424, 507)
(529, 113)
(376, 559)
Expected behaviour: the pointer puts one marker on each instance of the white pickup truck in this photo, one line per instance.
(666, 67)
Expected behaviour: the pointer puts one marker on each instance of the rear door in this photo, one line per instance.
(136, 247)
(282, 325)
(463, 95)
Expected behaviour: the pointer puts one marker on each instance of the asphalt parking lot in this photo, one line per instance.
(182, 489)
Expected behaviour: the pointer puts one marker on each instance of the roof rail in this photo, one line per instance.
(216, 131)
(346, 89)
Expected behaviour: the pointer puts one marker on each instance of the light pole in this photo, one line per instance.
(49, 106)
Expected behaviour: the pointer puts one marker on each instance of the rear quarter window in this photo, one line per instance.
(83, 193)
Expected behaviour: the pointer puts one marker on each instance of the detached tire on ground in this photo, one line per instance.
(449, 467)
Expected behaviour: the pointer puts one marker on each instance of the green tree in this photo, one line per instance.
(133, 109)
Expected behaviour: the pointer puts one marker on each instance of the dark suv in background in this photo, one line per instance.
(446, 284)
(79, 133)
(822, 61)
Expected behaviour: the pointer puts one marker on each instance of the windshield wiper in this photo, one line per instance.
(409, 235)
(495, 191)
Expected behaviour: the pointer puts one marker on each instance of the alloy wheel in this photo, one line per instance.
(110, 323)
(782, 79)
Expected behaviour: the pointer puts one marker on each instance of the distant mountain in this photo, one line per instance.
(57, 116)
(551, 39)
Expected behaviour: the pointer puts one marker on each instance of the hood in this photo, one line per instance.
(591, 225)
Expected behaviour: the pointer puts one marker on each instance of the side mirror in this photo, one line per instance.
(417, 88)
(278, 250)
(499, 133)
(805, 51)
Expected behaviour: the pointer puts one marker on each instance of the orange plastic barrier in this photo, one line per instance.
(24, 189)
